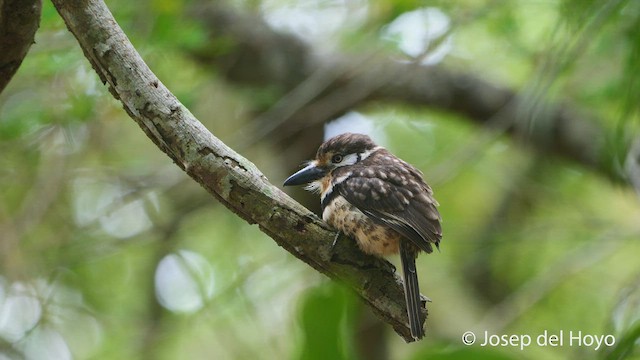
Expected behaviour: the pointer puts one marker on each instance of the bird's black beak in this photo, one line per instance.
(310, 173)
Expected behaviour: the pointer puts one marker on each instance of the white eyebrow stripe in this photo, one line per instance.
(349, 159)
(366, 154)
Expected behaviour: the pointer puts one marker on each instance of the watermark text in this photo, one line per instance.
(570, 338)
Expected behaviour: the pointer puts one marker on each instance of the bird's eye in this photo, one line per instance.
(337, 158)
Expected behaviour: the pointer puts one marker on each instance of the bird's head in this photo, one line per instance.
(339, 151)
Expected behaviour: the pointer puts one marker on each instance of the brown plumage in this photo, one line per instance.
(378, 199)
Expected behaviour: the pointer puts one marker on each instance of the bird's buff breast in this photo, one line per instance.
(372, 238)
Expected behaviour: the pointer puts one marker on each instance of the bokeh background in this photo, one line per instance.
(109, 251)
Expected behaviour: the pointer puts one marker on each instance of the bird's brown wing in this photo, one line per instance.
(395, 197)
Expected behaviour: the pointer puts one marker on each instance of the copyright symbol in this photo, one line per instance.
(468, 338)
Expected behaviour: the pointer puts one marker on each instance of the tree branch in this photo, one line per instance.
(19, 20)
(229, 177)
(348, 81)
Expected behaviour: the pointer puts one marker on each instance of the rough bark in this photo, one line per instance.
(19, 20)
(229, 177)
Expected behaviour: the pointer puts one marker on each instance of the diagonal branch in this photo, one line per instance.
(229, 177)
(348, 81)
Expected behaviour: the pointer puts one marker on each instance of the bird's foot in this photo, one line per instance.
(384, 264)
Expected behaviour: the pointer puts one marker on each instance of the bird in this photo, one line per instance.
(381, 201)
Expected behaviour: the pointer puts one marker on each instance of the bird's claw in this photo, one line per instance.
(384, 264)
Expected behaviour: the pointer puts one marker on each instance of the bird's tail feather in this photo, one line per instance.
(411, 289)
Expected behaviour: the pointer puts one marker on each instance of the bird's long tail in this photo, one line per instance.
(411, 289)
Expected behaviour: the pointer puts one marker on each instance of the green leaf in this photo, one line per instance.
(326, 323)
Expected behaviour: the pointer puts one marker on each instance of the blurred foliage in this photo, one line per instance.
(89, 208)
(337, 317)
